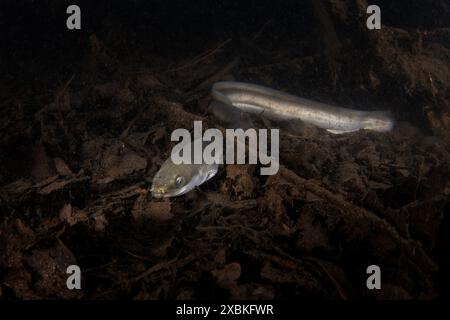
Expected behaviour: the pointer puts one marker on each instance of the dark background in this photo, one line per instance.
(85, 117)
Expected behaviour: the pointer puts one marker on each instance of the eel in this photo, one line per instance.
(177, 179)
(278, 105)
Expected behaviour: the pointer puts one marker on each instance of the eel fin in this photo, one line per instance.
(334, 131)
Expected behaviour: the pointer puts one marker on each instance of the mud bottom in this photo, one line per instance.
(85, 124)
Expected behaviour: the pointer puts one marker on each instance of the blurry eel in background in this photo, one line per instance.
(236, 97)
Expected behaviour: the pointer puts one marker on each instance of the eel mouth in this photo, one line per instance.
(164, 193)
(159, 192)
(157, 195)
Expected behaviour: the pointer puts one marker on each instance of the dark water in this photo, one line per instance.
(85, 123)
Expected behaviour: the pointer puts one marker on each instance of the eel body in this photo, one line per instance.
(278, 105)
(177, 179)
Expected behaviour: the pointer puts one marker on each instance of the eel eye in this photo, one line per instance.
(179, 181)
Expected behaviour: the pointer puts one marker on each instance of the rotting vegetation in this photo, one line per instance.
(86, 122)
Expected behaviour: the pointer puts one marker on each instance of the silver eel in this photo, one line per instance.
(278, 105)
